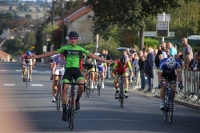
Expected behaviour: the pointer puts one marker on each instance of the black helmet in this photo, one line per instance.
(73, 34)
(123, 60)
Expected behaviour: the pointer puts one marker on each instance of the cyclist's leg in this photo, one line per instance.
(55, 84)
(172, 80)
(163, 90)
(78, 77)
(116, 87)
(126, 83)
(66, 79)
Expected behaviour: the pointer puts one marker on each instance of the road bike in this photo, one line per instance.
(99, 82)
(88, 88)
(27, 72)
(71, 104)
(121, 89)
(168, 104)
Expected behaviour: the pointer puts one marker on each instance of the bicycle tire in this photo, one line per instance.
(165, 111)
(121, 97)
(72, 113)
(88, 86)
(27, 77)
(170, 110)
(99, 85)
(58, 100)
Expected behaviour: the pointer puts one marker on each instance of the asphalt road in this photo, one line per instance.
(31, 110)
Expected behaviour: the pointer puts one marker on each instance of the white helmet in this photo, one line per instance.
(97, 54)
(171, 62)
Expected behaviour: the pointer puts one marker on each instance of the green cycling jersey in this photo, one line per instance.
(73, 54)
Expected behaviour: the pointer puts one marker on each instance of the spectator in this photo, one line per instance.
(157, 60)
(167, 52)
(128, 51)
(107, 57)
(149, 67)
(172, 50)
(133, 50)
(141, 64)
(187, 50)
(163, 48)
(136, 70)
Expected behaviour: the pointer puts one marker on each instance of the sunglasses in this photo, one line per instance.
(73, 38)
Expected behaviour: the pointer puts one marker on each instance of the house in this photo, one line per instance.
(80, 20)
(4, 56)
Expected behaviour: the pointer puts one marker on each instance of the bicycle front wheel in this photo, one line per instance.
(121, 97)
(99, 84)
(170, 111)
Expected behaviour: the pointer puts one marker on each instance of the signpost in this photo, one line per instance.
(154, 34)
(162, 25)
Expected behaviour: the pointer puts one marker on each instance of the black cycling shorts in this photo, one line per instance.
(170, 76)
(74, 73)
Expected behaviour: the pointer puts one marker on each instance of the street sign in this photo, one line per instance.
(153, 34)
(162, 29)
(160, 17)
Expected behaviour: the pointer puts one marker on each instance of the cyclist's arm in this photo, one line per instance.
(114, 69)
(97, 57)
(47, 54)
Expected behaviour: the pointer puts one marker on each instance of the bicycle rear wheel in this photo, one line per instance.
(88, 87)
(58, 100)
(27, 77)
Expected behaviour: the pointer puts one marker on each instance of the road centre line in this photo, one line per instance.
(8, 84)
(36, 84)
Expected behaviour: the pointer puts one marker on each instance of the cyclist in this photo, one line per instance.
(90, 65)
(73, 53)
(102, 68)
(167, 69)
(58, 68)
(119, 68)
(26, 58)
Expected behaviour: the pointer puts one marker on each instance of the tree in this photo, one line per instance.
(132, 13)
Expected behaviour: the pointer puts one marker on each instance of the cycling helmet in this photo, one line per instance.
(28, 53)
(97, 54)
(171, 63)
(123, 60)
(73, 34)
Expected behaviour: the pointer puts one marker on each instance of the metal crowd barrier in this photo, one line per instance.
(190, 91)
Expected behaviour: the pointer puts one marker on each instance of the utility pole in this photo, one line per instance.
(63, 6)
(52, 11)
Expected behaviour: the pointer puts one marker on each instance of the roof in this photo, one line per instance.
(1, 52)
(194, 37)
(77, 14)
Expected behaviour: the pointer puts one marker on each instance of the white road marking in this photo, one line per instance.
(36, 84)
(18, 70)
(8, 84)
(2, 70)
(34, 70)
